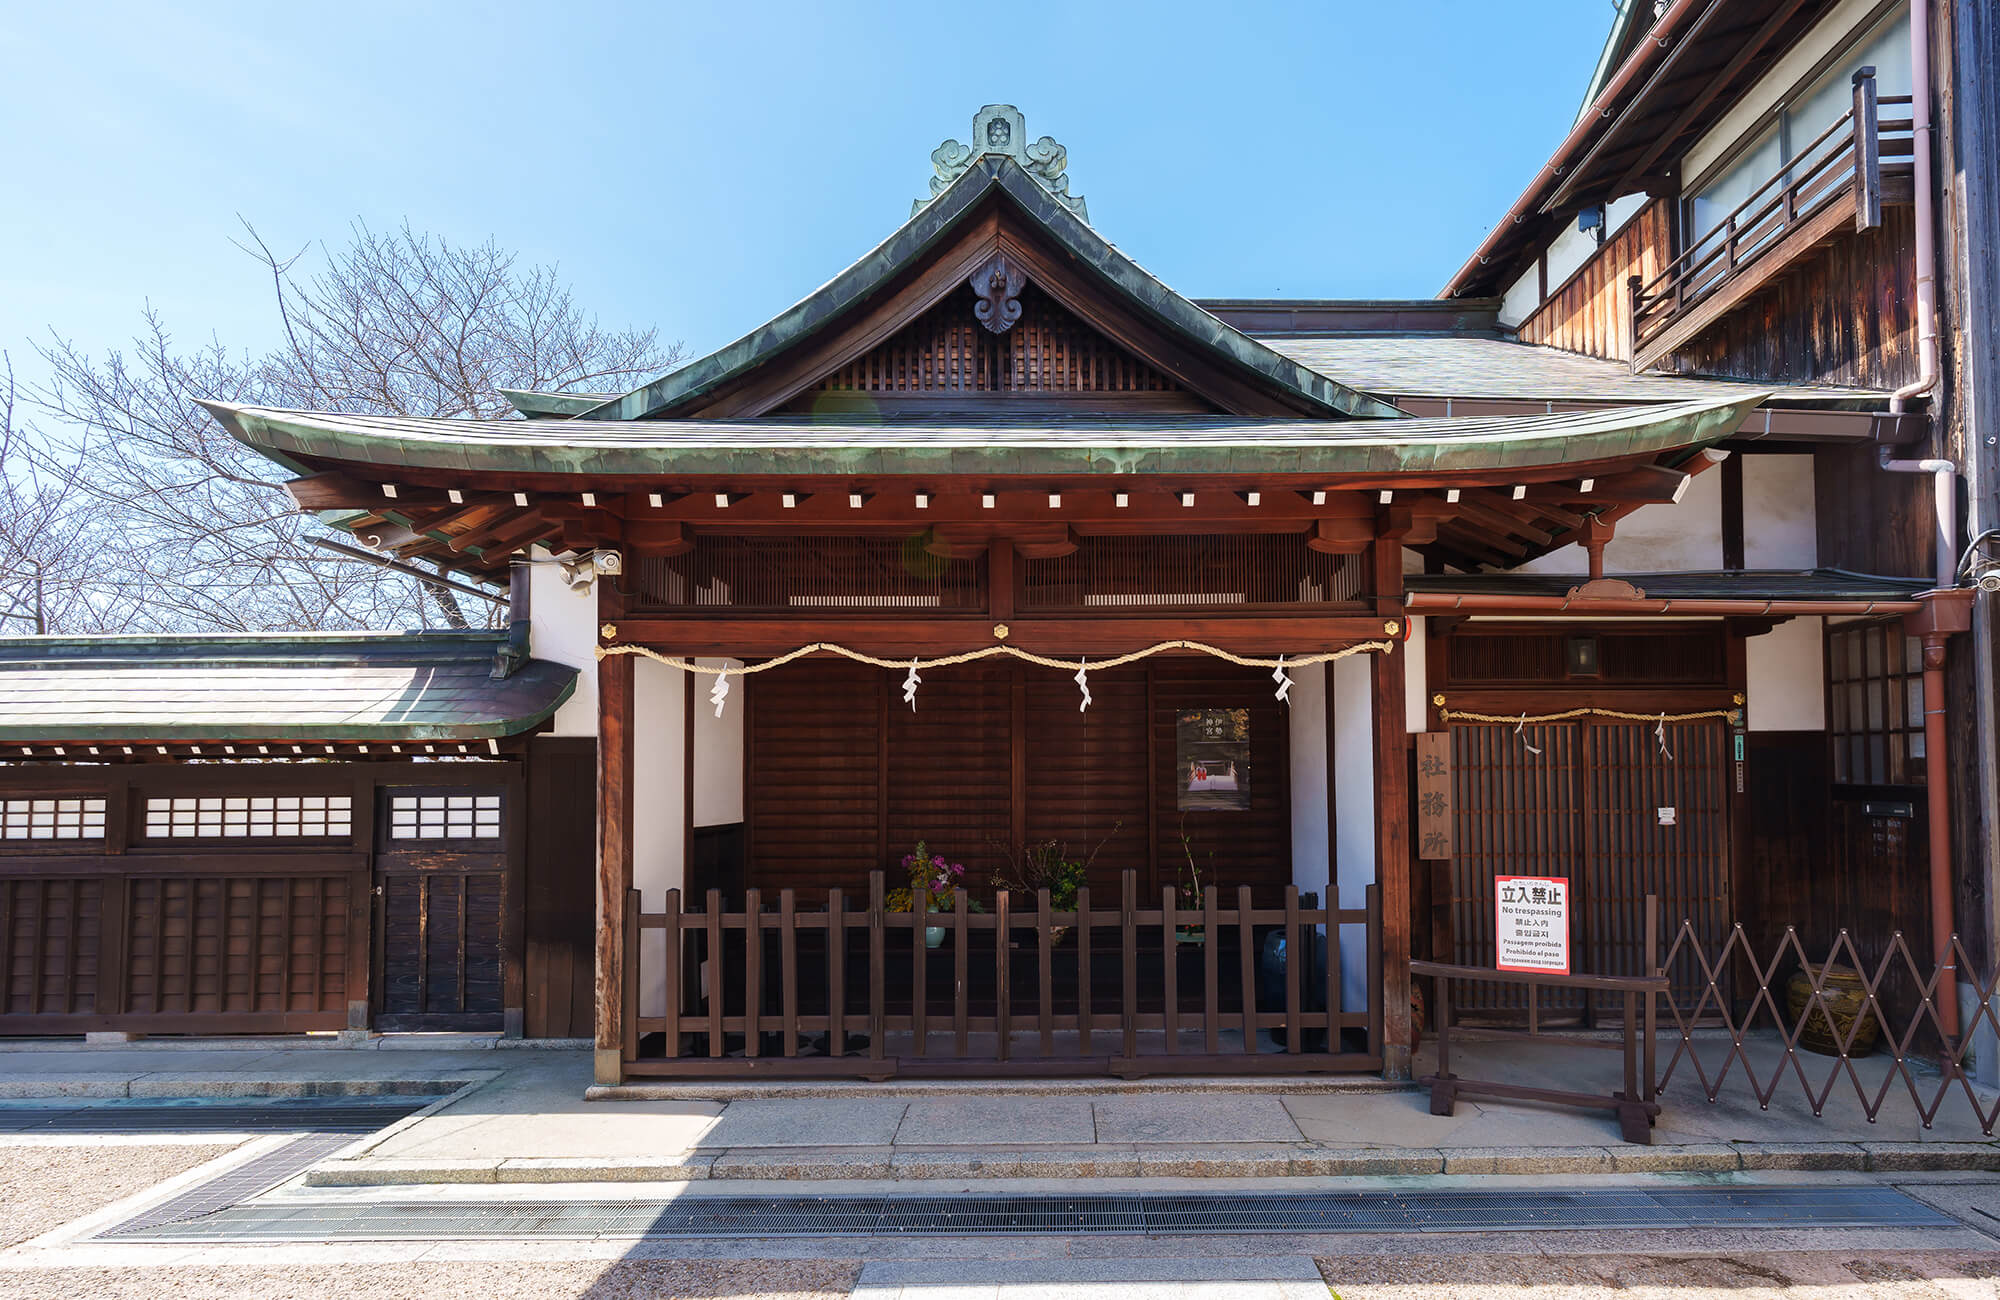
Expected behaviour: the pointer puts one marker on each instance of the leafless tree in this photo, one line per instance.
(195, 528)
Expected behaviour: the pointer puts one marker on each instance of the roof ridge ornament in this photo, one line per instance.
(1001, 129)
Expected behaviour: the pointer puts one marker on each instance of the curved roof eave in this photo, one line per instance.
(1077, 446)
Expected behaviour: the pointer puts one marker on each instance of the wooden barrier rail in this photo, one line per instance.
(873, 993)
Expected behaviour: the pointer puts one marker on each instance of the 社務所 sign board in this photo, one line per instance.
(1531, 924)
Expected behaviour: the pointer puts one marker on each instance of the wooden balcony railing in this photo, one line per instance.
(1798, 208)
(1125, 990)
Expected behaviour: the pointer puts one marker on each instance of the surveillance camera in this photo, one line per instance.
(607, 561)
(1990, 580)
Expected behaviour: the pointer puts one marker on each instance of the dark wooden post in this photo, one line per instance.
(614, 861)
(1867, 152)
(1392, 809)
(1634, 289)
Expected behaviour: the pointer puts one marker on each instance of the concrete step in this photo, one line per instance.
(817, 1164)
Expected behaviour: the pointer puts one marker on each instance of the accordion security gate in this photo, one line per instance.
(1126, 990)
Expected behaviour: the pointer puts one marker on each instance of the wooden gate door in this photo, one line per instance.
(440, 900)
(1604, 804)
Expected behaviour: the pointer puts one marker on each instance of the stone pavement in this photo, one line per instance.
(522, 1117)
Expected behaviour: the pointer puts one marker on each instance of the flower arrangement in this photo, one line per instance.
(933, 882)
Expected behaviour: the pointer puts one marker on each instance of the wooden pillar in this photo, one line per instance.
(614, 859)
(1392, 808)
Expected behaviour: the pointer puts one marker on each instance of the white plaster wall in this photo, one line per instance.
(563, 630)
(1416, 706)
(1656, 538)
(659, 813)
(1779, 528)
(1354, 817)
(1522, 297)
(1621, 210)
(1786, 677)
(1568, 251)
(1312, 862)
(1827, 35)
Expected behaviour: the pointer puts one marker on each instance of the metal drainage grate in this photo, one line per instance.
(301, 1116)
(239, 1184)
(703, 1215)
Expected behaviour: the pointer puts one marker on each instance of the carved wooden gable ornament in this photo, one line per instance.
(1000, 128)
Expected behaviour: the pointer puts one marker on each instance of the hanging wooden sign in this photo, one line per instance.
(1434, 795)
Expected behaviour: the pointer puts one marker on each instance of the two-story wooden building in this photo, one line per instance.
(1000, 663)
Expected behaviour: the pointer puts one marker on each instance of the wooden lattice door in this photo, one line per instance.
(1609, 806)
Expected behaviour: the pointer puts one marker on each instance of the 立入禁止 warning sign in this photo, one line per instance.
(1531, 924)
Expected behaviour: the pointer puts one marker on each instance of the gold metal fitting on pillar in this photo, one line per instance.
(609, 631)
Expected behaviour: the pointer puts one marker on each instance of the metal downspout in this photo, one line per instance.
(1944, 473)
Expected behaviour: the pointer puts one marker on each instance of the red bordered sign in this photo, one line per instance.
(1531, 924)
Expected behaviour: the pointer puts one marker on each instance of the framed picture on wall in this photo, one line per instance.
(1212, 760)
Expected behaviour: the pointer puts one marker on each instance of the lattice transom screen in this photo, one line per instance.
(444, 817)
(788, 574)
(260, 816)
(1047, 351)
(1201, 572)
(52, 819)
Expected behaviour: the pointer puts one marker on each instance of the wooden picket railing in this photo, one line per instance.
(1745, 246)
(867, 992)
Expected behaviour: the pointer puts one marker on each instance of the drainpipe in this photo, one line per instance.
(1944, 473)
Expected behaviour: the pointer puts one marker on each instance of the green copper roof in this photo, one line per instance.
(544, 406)
(1002, 445)
(925, 229)
(423, 686)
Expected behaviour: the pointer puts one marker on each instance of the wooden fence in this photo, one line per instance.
(873, 993)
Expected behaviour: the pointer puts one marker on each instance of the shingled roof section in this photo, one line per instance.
(1471, 368)
(368, 686)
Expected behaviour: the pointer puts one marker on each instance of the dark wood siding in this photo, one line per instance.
(827, 738)
(1590, 312)
(1844, 313)
(1871, 521)
(560, 904)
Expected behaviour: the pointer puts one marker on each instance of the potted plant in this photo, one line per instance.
(1188, 877)
(934, 882)
(1047, 864)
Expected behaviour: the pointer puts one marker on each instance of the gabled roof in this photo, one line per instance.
(990, 178)
(1037, 444)
(422, 686)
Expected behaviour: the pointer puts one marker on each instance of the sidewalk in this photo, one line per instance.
(522, 1117)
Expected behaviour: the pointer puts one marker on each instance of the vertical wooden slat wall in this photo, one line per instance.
(238, 934)
(1587, 313)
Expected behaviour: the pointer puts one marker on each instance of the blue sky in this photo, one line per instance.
(701, 167)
